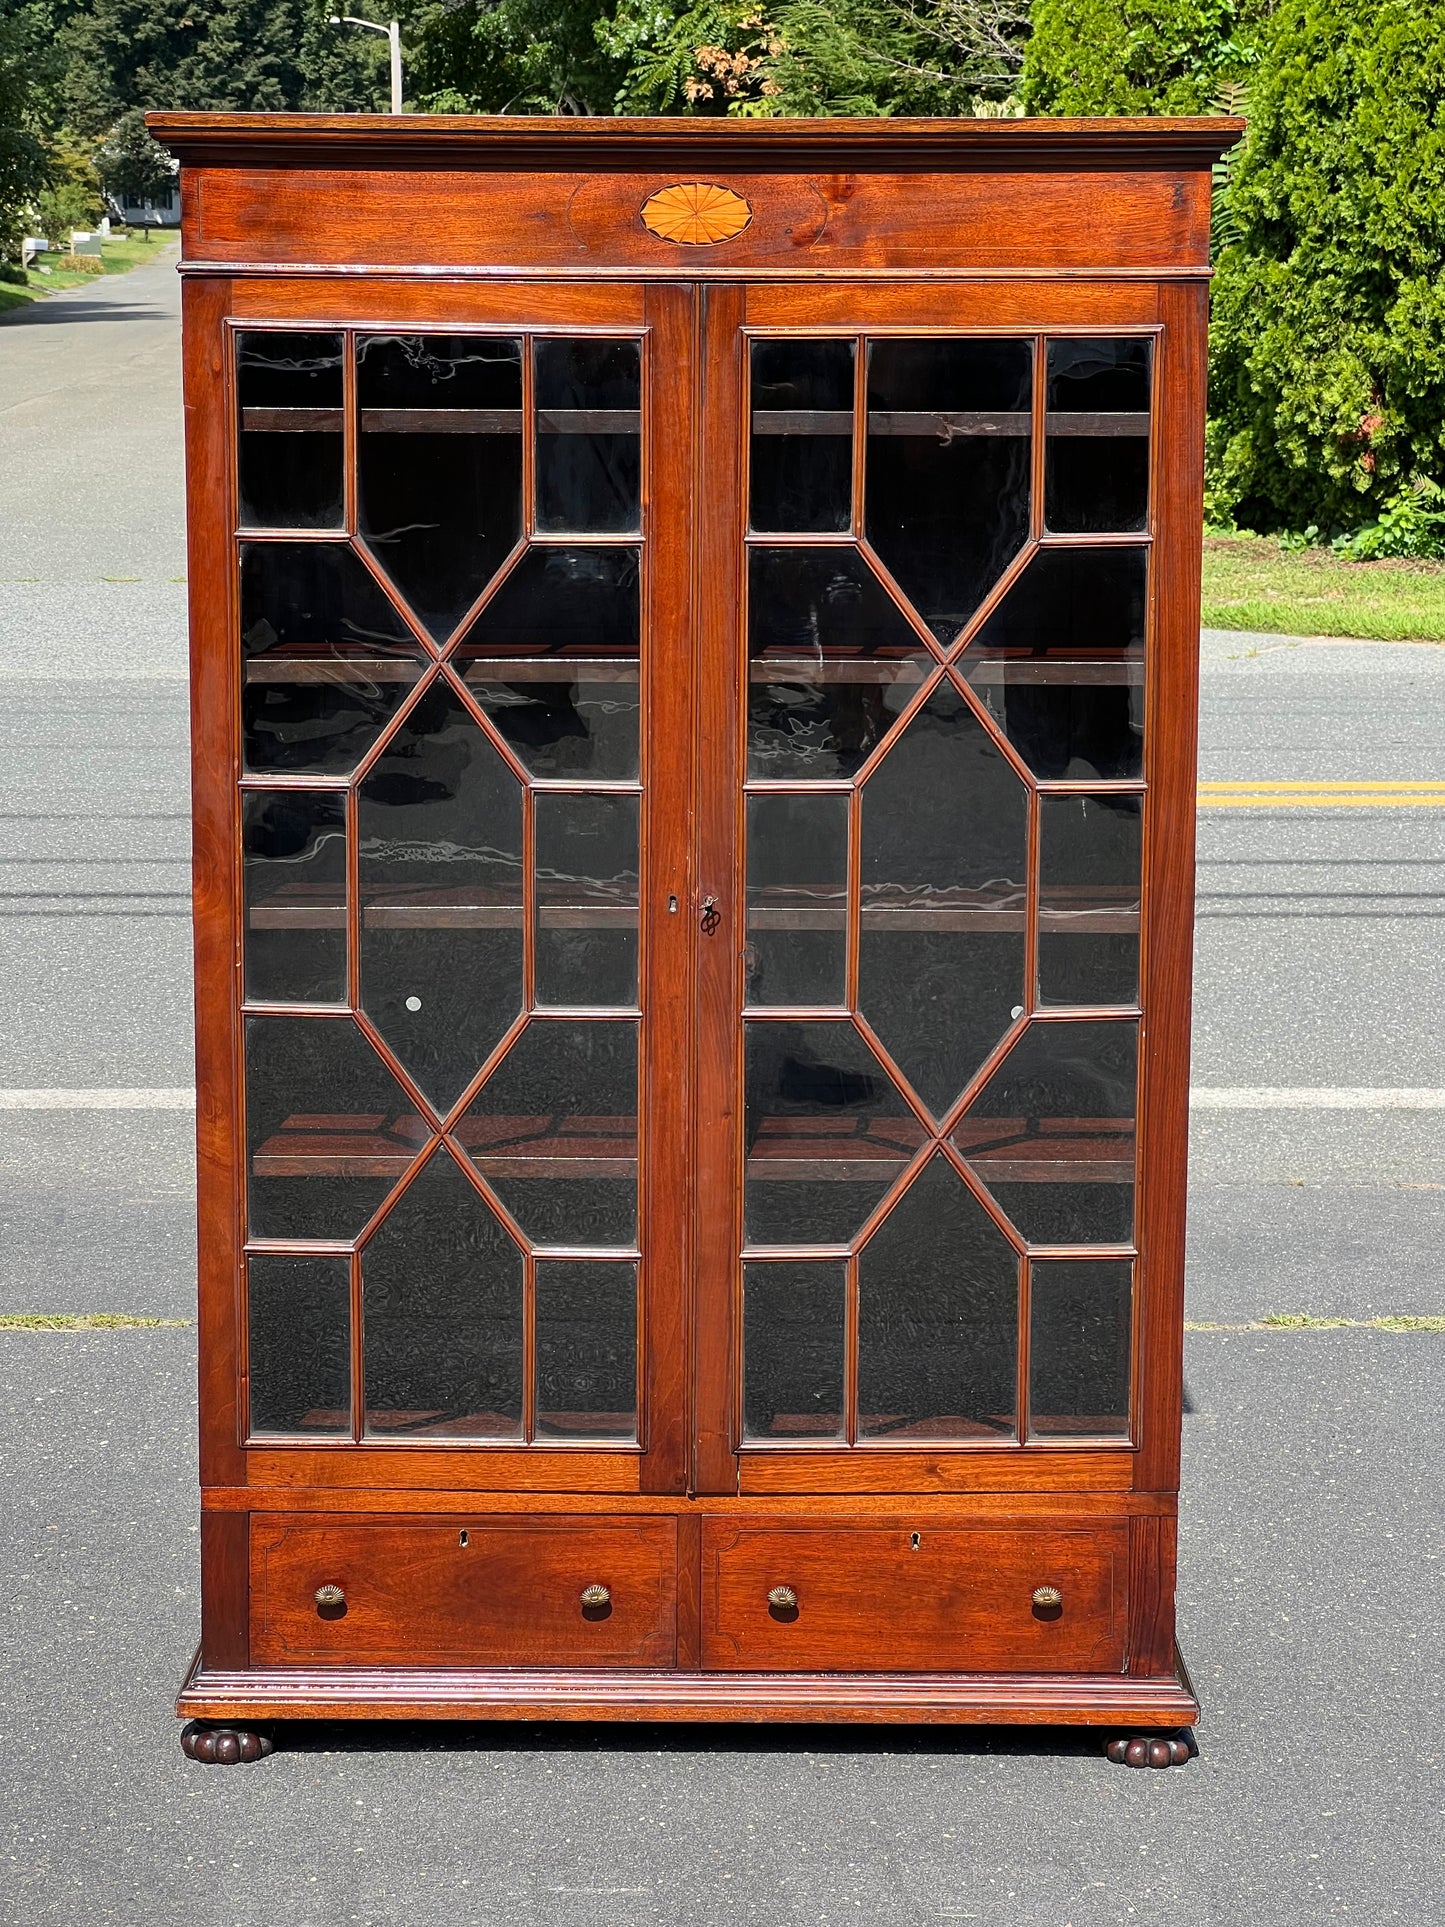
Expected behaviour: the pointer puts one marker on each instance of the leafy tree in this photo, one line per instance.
(132, 166)
(22, 158)
(1137, 56)
(510, 57)
(233, 55)
(1328, 368)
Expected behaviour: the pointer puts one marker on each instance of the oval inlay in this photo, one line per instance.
(695, 213)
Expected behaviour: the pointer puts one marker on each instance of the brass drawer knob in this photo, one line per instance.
(330, 1596)
(1048, 1597)
(596, 1596)
(784, 1598)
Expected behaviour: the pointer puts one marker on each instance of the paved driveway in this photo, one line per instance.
(1311, 1527)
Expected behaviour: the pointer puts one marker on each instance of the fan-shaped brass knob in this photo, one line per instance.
(1048, 1596)
(784, 1598)
(596, 1596)
(330, 1596)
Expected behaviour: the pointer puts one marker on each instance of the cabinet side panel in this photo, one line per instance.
(225, 1589)
(1171, 738)
(1151, 1596)
(214, 733)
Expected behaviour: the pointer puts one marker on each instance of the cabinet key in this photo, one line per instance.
(711, 916)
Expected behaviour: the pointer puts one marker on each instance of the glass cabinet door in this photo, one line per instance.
(939, 690)
(444, 562)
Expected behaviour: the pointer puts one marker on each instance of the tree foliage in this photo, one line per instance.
(1328, 367)
(23, 168)
(132, 166)
(1137, 56)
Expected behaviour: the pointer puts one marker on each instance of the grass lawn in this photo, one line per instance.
(116, 257)
(1251, 583)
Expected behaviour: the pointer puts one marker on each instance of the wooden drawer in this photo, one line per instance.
(919, 1595)
(464, 1592)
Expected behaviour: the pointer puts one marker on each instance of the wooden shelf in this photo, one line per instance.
(342, 665)
(995, 669)
(932, 424)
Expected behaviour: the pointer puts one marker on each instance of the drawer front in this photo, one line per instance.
(914, 1596)
(463, 1592)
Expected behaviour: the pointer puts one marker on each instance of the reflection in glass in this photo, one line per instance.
(941, 951)
(567, 729)
(1079, 1340)
(327, 660)
(554, 1132)
(328, 1129)
(797, 898)
(1089, 858)
(589, 442)
(586, 945)
(586, 1350)
(1052, 1133)
(826, 1133)
(949, 427)
(299, 1346)
(833, 661)
(1060, 662)
(439, 823)
(294, 866)
(439, 464)
(801, 464)
(937, 1318)
(289, 448)
(793, 1351)
(1096, 463)
(441, 1294)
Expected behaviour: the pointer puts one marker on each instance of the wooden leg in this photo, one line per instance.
(1153, 1749)
(224, 1745)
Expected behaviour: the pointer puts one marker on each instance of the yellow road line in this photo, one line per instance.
(1368, 793)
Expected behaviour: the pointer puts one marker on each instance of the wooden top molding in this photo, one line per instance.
(510, 142)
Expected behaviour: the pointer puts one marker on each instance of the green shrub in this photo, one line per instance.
(1136, 56)
(1411, 527)
(1327, 392)
(14, 274)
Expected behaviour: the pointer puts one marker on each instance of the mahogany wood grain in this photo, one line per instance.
(215, 871)
(994, 1504)
(1002, 306)
(1167, 952)
(961, 1469)
(225, 1583)
(431, 1468)
(417, 1693)
(908, 1597)
(487, 1591)
(1151, 1593)
(689, 1591)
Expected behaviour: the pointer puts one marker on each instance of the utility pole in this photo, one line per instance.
(393, 34)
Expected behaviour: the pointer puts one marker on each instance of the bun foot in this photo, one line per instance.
(1153, 1749)
(224, 1745)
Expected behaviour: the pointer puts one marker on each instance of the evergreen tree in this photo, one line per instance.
(1328, 371)
(1137, 56)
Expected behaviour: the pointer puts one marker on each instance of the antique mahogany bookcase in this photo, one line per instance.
(694, 637)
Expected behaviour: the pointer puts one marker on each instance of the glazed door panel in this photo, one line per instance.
(461, 582)
(923, 786)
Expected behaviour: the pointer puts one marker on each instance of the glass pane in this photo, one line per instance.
(1079, 1329)
(289, 451)
(439, 464)
(294, 864)
(1060, 662)
(586, 899)
(833, 661)
(949, 428)
(328, 1130)
(797, 897)
(941, 950)
(1052, 1133)
(589, 442)
(793, 1316)
(826, 1130)
(440, 867)
(937, 1318)
(328, 661)
(441, 1293)
(801, 464)
(587, 1351)
(1089, 858)
(554, 1132)
(1096, 464)
(299, 1348)
(553, 659)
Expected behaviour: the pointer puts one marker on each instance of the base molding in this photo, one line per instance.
(517, 1693)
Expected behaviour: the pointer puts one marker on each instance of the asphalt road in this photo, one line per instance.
(1311, 1512)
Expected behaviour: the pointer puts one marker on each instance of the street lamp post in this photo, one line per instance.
(393, 34)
